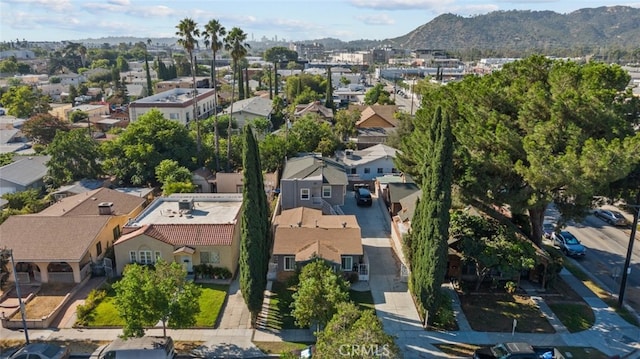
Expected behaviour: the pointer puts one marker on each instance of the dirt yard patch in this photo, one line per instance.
(46, 300)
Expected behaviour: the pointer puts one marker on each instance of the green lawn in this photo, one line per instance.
(575, 316)
(211, 300)
(282, 297)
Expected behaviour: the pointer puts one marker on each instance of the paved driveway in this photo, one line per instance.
(393, 303)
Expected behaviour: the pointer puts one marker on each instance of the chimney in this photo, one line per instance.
(105, 208)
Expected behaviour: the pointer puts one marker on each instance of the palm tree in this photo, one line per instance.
(214, 33)
(188, 31)
(234, 43)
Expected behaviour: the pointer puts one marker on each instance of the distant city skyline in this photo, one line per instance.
(290, 20)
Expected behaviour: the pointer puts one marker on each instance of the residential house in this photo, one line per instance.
(78, 187)
(313, 181)
(55, 91)
(301, 234)
(249, 109)
(188, 228)
(315, 108)
(95, 112)
(395, 192)
(60, 243)
(204, 180)
(12, 140)
(376, 123)
(175, 104)
(71, 79)
(181, 83)
(25, 172)
(233, 182)
(369, 163)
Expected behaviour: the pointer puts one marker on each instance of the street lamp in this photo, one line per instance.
(20, 303)
(626, 269)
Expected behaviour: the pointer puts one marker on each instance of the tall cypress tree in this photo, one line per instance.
(430, 225)
(149, 83)
(328, 102)
(240, 80)
(254, 245)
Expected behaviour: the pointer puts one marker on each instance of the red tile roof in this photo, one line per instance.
(186, 234)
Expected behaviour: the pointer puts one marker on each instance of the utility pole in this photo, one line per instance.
(22, 311)
(626, 269)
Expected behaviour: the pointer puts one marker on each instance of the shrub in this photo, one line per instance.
(444, 317)
(510, 287)
(85, 311)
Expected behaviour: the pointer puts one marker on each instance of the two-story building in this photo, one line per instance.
(176, 104)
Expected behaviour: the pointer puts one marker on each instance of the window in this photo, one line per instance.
(380, 170)
(145, 257)
(367, 170)
(209, 257)
(98, 249)
(394, 170)
(174, 116)
(354, 171)
(289, 263)
(305, 193)
(204, 257)
(347, 263)
(132, 257)
(158, 256)
(116, 232)
(326, 191)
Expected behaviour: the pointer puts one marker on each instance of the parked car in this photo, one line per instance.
(363, 197)
(548, 228)
(39, 351)
(145, 347)
(568, 244)
(517, 351)
(614, 218)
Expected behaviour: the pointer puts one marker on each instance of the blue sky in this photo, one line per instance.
(54, 20)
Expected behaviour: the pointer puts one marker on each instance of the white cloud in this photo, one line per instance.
(54, 5)
(119, 2)
(399, 4)
(380, 19)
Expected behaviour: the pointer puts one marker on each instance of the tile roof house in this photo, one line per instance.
(250, 109)
(301, 234)
(188, 228)
(313, 181)
(316, 108)
(60, 243)
(376, 123)
(23, 173)
(369, 163)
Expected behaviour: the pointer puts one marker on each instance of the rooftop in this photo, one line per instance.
(177, 96)
(207, 208)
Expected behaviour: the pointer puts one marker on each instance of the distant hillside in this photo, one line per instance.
(617, 26)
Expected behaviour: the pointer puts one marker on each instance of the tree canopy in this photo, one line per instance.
(74, 156)
(537, 131)
(145, 296)
(42, 128)
(24, 101)
(320, 290)
(134, 155)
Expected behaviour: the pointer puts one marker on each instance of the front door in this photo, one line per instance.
(186, 263)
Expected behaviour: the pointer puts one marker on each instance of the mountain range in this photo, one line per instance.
(588, 30)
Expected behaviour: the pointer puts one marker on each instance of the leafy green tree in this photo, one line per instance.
(430, 223)
(73, 93)
(254, 235)
(214, 34)
(188, 32)
(6, 158)
(236, 44)
(145, 296)
(536, 132)
(9, 66)
(491, 246)
(277, 55)
(305, 83)
(42, 128)
(345, 125)
(78, 116)
(74, 156)
(378, 95)
(319, 293)
(27, 201)
(122, 64)
(351, 326)
(308, 133)
(174, 178)
(273, 149)
(23, 101)
(133, 156)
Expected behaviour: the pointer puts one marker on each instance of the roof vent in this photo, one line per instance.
(349, 153)
(185, 205)
(105, 208)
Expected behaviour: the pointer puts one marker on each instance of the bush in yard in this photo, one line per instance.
(510, 287)
(84, 311)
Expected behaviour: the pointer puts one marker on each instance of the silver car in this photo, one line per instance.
(40, 351)
(614, 218)
(568, 244)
